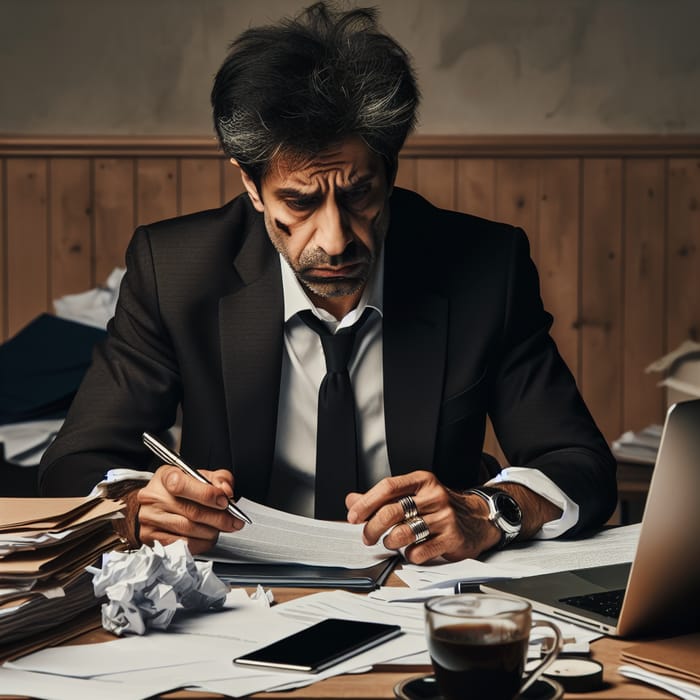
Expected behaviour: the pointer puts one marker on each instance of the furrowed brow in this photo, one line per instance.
(291, 192)
(358, 183)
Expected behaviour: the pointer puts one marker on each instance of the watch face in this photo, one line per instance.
(509, 509)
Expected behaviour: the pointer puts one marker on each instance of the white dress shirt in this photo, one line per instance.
(303, 369)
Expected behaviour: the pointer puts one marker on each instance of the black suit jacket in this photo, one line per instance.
(200, 321)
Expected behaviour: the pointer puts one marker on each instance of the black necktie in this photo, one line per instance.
(337, 471)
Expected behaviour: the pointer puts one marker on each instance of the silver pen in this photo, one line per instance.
(170, 457)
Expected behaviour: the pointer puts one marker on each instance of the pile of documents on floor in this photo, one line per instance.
(680, 370)
(638, 447)
(36, 387)
(45, 545)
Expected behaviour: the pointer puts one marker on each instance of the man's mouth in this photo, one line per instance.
(340, 271)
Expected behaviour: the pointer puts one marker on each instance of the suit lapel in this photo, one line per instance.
(414, 346)
(251, 329)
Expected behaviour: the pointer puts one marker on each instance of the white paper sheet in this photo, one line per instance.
(94, 307)
(611, 546)
(276, 537)
(25, 443)
(679, 688)
(49, 687)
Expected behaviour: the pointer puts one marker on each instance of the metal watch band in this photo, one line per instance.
(508, 531)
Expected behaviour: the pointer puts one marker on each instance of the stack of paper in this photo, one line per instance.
(45, 545)
(282, 549)
(638, 447)
(672, 664)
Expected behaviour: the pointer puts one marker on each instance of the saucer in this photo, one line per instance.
(426, 688)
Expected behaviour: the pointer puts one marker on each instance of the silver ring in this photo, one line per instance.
(419, 529)
(410, 509)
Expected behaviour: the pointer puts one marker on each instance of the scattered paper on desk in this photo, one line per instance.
(395, 594)
(263, 598)
(423, 576)
(610, 546)
(145, 587)
(681, 689)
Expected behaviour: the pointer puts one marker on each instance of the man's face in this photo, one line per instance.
(328, 219)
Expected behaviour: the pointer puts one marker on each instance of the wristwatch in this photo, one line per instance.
(504, 512)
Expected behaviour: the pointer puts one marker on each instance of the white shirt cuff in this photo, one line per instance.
(121, 474)
(542, 485)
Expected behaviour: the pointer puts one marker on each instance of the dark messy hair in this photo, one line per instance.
(293, 89)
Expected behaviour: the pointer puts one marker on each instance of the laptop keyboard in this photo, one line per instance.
(608, 603)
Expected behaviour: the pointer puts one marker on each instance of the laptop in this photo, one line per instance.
(658, 593)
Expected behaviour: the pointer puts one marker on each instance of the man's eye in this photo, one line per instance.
(300, 204)
(354, 197)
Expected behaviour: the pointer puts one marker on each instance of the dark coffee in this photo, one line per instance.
(469, 668)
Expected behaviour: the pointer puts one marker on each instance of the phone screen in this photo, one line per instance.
(321, 645)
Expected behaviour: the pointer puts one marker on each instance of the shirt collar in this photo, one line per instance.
(296, 300)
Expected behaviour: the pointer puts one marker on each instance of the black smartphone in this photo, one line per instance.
(321, 645)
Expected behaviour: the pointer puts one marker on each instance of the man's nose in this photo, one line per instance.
(333, 232)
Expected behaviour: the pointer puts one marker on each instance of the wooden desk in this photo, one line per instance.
(379, 684)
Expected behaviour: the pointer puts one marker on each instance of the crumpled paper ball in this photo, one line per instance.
(145, 587)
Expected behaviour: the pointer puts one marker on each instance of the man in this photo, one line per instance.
(229, 313)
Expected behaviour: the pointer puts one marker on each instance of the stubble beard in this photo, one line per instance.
(353, 254)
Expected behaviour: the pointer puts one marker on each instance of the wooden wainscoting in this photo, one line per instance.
(614, 225)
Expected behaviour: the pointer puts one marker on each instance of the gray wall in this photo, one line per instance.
(485, 66)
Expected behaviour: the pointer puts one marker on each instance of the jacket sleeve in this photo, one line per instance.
(537, 411)
(133, 385)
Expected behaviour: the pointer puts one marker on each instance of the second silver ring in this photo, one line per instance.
(410, 509)
(419, 529)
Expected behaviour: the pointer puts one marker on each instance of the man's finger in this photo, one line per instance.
(188, 518)
(183, 486)
(221, 478)
(386, 491)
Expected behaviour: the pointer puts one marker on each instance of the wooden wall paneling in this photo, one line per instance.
(406, 175)
(476, 187)
(644, 264)
(516, 188)
(476, 194)
(517, 184)
(201, 185)
(27, 241)
(601, 293)
(70, 212)
(559, 239)
(115, 214)
(3, 245)
(523, 180)
(156, 189)
(683, 256)
(435, 180)
(233, 185)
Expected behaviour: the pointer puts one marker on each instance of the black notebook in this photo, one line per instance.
(305, 576)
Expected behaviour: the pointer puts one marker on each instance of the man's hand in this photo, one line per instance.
(458, 523)
(173, 506)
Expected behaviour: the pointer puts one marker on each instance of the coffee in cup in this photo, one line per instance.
(478, 645)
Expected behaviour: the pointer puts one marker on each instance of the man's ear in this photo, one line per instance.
(250, 187)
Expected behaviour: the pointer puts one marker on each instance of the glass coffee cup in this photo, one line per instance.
(478, 645)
